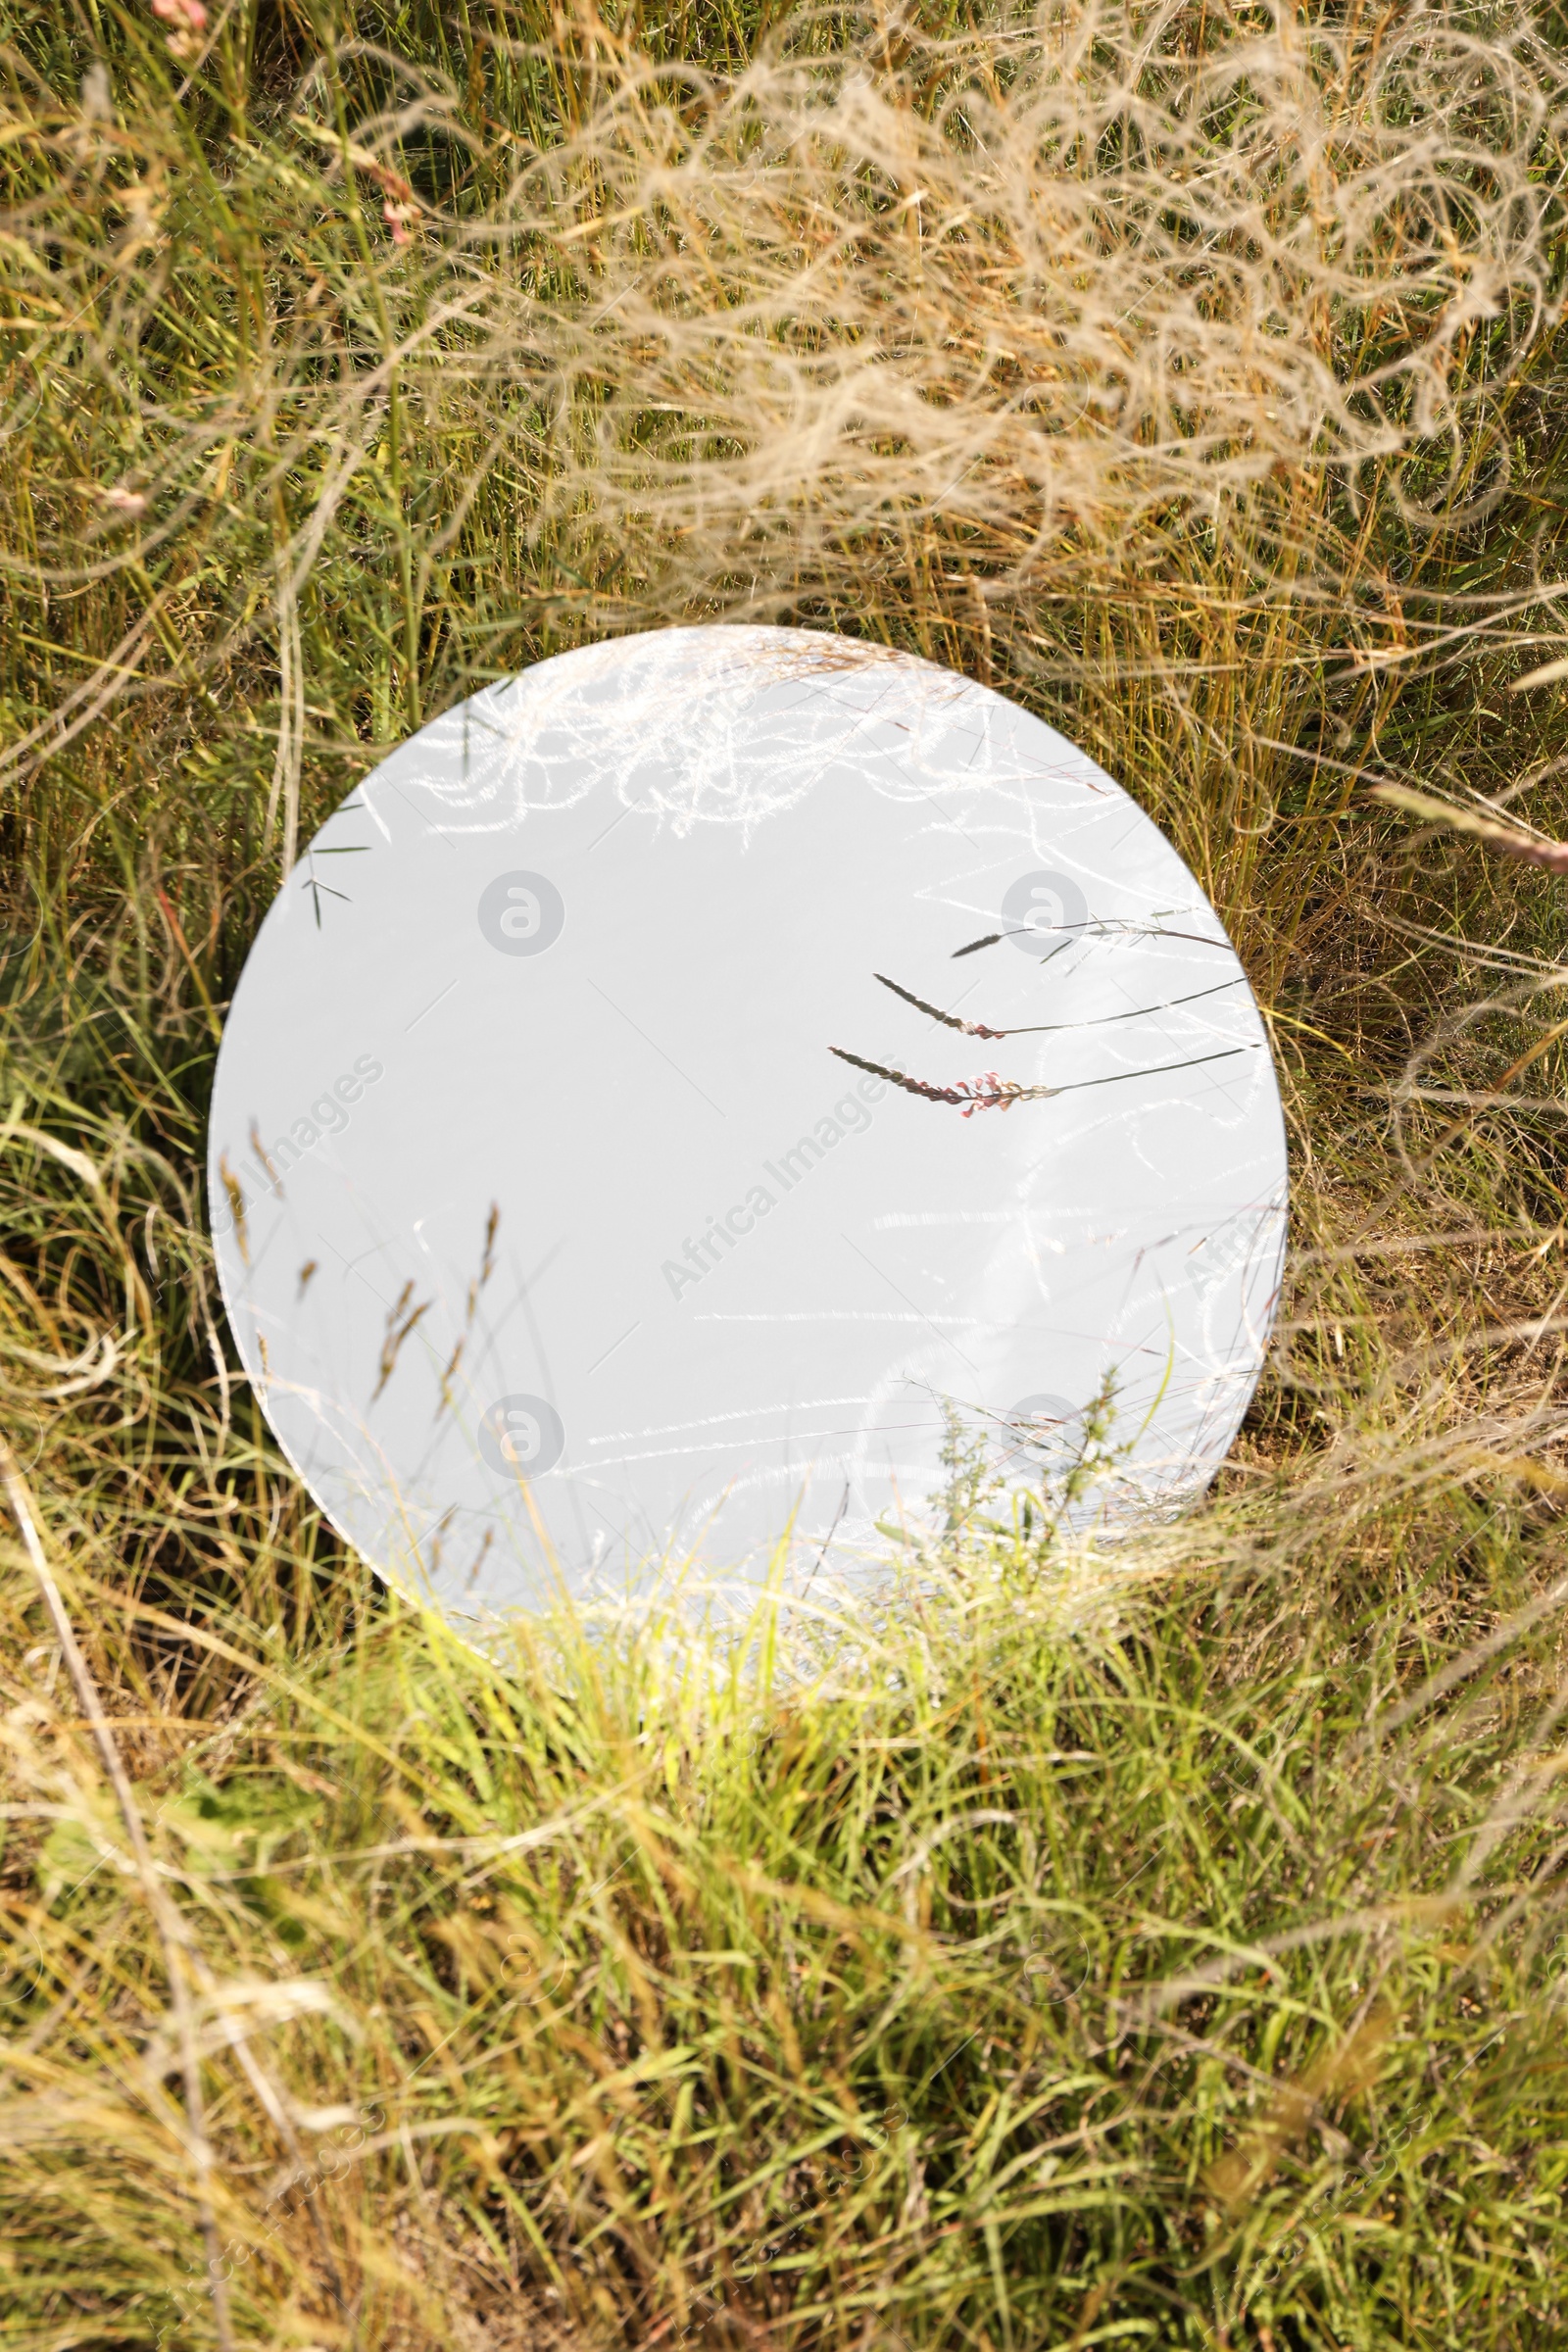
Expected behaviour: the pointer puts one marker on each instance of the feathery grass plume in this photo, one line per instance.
(992, 1092)
(1494, 830)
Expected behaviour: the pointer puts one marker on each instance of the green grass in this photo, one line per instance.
(1159, 1947)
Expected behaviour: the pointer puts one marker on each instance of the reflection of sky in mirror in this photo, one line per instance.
(567, 1238)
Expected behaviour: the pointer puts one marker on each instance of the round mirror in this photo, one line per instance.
(732, 1087)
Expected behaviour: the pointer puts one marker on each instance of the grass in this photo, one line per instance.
(1160, 1949)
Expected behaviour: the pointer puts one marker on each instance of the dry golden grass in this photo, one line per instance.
(1156, 1949)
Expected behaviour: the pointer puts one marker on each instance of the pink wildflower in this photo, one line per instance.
(128, 503)
(400, 208)
(992, 1092)
(188, 19)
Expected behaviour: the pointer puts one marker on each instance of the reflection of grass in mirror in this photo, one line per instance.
(1232, 445)
(1070, 1456)
(992, 1092)
(1130, 1013)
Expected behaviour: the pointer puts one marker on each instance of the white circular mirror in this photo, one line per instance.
(689, 1090)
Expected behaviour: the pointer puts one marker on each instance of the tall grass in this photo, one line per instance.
(1159, 1948)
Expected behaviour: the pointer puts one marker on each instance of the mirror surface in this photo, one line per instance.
(559, 1242)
